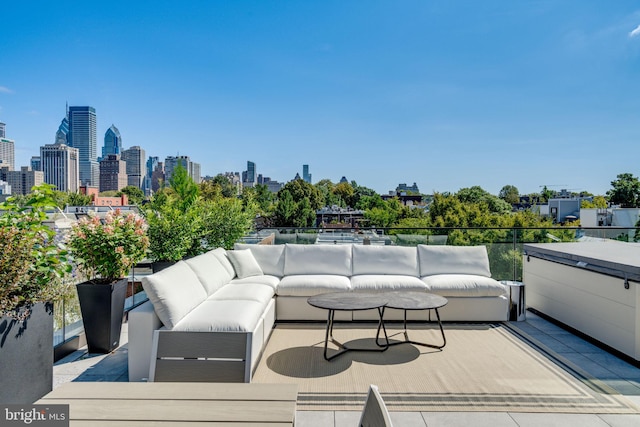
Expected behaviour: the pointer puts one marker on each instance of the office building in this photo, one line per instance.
(194, 172)
(157, 177)
(147, 186)
(62, 135)
(112, 142)
(134, 157)
(82, 135)
(249, 177)
(36, 163)
(7, 153)
(7, 149)
(61, 166)
(306, 176)
(21, 181)
(192, 168)
(113, 173)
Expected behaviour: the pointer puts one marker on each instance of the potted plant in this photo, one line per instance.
(170, 235)
(105, 250)
(32, 271)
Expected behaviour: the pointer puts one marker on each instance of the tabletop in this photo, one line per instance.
(348, 300)
(413, 300)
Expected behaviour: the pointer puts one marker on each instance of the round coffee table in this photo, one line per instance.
(414, 300)
(347, 301)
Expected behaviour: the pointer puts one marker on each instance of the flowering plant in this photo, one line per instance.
(105, 250)
(33, 266)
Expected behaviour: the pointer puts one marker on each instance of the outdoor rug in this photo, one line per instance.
(484, 367)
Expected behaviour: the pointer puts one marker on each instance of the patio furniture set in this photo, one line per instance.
(208, 318)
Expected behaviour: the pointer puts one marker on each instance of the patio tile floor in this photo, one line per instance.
(615, 372)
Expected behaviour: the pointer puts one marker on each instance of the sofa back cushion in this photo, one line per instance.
(221, 254)
(174, 292)
(317, 259)
(385, 260)
(453, 260)
(270, 257)
(210, 271)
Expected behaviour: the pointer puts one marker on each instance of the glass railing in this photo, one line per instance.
(504, 246)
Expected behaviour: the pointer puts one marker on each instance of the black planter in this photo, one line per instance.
(161, 265)
(102, 307)
(26, 356)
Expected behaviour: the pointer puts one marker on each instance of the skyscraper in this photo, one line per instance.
(62, 135)
(147, 186)
(306, 176)
(21, 181)
(249, 177)
(171, 162)
(112, 142)
(60, 166)
(113, 173)
(82, 135)
(136, 166)
(7, 153)
(2, 130)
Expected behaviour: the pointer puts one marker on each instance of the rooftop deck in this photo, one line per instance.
(608, 368)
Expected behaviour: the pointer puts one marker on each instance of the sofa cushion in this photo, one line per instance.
(453, 260)
(210, 272)
(250, 292)
(265, 279)
(386, 282)
(306, 285)
(269, 257)
(174, 292)
(244, 263)
(221, 254)
(464, 285)
(317, 259)
(222, 316)
(385, 260)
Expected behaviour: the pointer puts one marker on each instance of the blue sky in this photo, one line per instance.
(447, 94)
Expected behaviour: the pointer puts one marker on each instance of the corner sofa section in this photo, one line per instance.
(209, 317)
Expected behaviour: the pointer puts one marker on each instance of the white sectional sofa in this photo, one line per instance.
(209, 317)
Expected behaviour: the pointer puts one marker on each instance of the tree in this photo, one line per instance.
(509, 194)
(285, 209)
(304, 215)
(300, 189)
(345, 192)
(597, 202)
(186, 189)
(625, 191)
(135, 195)
(77, 199)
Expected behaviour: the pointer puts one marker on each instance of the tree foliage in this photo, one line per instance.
(509, 194)
(625, 191)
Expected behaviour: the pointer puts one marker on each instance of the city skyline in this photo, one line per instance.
(449, 95)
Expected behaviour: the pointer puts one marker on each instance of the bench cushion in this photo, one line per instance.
(263, 280)
(174, 292)
(269, 257)
(385, 260)
(312, 284)
(210, 271)
(453, 260)
(464, 285)
(250, 292)
(317, 259)
(222, 316)
(386, 282)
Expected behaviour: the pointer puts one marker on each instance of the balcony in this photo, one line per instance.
(591, 362)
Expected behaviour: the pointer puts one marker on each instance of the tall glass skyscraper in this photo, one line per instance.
(82, 135)
(112, 142)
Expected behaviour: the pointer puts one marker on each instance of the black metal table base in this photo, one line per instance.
(342, 349)
(406, 335)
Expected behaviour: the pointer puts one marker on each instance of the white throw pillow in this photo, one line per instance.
(244, 263)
